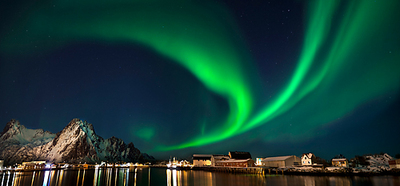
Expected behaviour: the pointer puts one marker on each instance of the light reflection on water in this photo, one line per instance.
(161, 176)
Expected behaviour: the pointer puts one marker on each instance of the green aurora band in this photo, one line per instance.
(184, 31)
(353, 44)
(353, 60)
(203, 37)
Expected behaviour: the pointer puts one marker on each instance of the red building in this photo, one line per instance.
(235, 163)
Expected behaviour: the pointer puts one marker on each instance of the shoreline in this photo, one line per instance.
(277, 171)
(237, 170)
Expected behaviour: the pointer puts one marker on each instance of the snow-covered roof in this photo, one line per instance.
(278, 158)
(219, 155)
(378, 160)
(233, 161)
(339, 159)
(202, 155)
(308, 155)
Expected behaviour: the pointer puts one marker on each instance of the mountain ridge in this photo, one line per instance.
(77, 142)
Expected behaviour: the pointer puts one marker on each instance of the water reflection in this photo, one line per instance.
(95, 177)
(160, 176)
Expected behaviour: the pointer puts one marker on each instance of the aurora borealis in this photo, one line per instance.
(187, 76)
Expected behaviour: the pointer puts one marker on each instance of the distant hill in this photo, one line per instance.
(77, 142)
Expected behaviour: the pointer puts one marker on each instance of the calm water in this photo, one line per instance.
(160, 176)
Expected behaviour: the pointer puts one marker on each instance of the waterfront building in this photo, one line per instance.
(201, 160)
(33, 165)
(394, 164)
(176, 164)
(340, 162)
(308, 159)
(218, 157)
(258, 161)
(235, 163)
(233, 159)
(280, 161)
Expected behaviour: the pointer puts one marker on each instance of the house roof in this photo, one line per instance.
(219, 155)
(202, 155)
(239, 155)
(233, 161)
(339, 159)
(308, 155)
(278, 158)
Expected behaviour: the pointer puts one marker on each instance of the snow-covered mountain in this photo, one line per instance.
(77, 142)
(18, 142)
(379, 160)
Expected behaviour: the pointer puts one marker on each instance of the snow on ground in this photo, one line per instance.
(381, 160)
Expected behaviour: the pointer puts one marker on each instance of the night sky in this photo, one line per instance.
(197, 76)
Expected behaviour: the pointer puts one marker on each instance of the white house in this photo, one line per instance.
(308, 159)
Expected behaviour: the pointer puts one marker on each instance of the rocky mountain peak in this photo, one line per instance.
(77, 124)
(76, 129)
(130, 145)
(12, 124)
(113, 139)
(74, 123)
(13, 127)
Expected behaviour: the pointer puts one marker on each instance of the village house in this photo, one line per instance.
(308, 159)
(340, 161)
(201, 160)
(279, 161)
